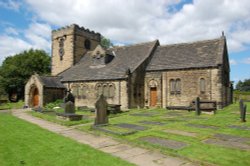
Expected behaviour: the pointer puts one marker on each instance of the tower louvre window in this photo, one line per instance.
(87, 44)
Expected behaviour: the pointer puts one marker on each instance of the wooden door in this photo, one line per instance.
(35, 97)
(153, 96)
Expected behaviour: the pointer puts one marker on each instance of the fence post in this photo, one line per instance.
(197, 106)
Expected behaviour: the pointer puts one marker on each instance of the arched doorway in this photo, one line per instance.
(153, 84)
(35, 97)
(153, 96)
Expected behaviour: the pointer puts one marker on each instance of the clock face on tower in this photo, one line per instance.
(61, 48)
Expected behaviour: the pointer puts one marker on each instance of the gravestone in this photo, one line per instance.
(197, 106)
(69, 108)
(163, 142)
(132, 126)
(241, 107)
(202, 126)
(101, 106)
(243, 119)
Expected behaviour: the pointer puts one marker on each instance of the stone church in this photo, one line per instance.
(139, 75)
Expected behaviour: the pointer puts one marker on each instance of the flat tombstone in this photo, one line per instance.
(101, 111)
(69, 108)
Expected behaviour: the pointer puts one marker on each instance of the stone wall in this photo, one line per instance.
(52, 94)
(73, 46)
(190, 87)
(91, 93)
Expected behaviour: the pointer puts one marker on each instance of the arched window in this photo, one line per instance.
(202, 85)
(178, 86)
(172, 86)
(83, 91)
(106, 90)
(175, 86)
(99, 90)
(111, 90)
(75, 90)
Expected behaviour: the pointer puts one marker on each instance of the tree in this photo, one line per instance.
(243, 86)
(17, 69)
(105, 42)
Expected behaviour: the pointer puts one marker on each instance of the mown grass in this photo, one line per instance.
(22, 143)
(51, 116)
(10, 105)
(196, 149)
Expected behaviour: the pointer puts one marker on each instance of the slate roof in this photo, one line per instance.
(126, 57)
(208, 53)
(51, 81)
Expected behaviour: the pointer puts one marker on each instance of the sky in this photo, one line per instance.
(26, 24)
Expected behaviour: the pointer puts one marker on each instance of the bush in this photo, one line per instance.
(56, 103)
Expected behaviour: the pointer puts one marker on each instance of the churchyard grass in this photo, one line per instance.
(10, 105)
(22, 143)
(51, 116)
(204, 126)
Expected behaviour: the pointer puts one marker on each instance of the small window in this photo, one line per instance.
(202, 85)
(99, 90)
(172, 86)
(87, 44)
(178, 86)
(75, 90)
(175, 86)
(83, 91)
(106, 91)
(111, 91)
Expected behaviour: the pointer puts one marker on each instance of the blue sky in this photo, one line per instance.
(27, 24)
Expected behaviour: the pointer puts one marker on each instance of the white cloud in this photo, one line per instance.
(11, 4)
(36, 36)
(133, 21)
(10, 46)
(232, 62)
(11, 31)
(39, 35)
(140, 20)
(246, 61)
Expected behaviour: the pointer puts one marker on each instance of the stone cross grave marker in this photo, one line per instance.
(101, 111)
(69, 97)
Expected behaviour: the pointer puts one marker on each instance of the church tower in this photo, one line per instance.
(69, 44)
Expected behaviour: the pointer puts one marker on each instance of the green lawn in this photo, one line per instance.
(196, 150)
(10, 105)
(22, 143)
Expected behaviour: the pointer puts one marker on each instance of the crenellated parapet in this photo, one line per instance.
(75, 29)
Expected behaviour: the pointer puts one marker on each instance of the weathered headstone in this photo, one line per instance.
(241, 107)
(243, 118)
(69, 108)
(197, 106)
(101, 106)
